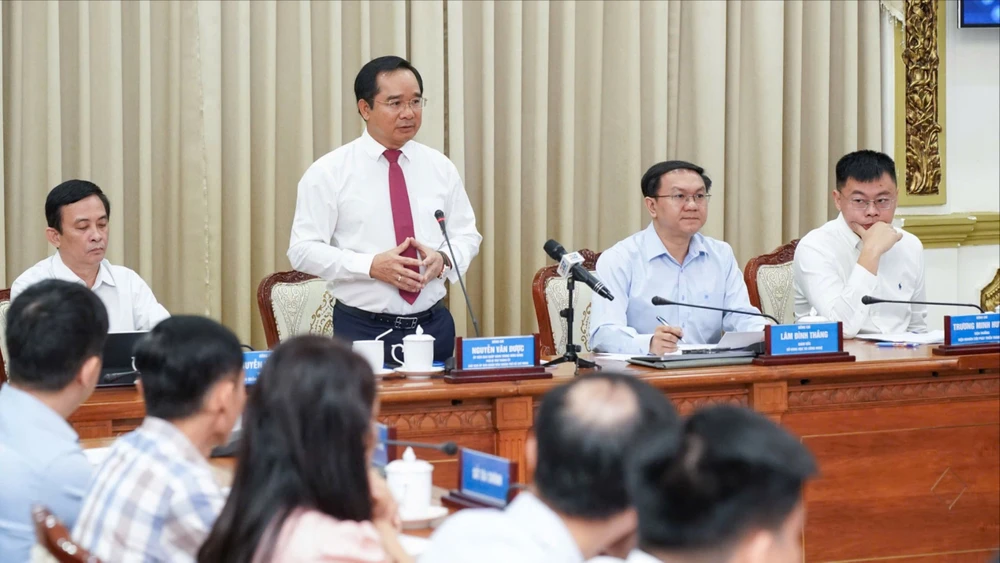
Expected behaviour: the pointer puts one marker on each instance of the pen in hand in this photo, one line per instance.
(665, 323)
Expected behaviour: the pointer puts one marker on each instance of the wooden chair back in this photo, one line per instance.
(549, 294)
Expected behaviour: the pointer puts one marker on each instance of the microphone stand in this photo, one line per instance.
(572, 350)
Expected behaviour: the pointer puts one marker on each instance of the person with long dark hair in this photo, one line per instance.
(303, 490)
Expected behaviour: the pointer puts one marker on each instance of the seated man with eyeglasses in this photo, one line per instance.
(670, 259)
(860, 253)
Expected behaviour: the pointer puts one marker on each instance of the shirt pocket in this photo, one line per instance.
(425, 224)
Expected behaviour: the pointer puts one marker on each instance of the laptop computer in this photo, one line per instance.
(117, 370)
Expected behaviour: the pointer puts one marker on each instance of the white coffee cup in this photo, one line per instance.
(373, 351)
(409, 481)
(418, 352)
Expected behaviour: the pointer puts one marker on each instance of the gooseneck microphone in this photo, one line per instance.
(558, 253)
(439, 215)
(869, 300)
(657, 300)
(447, 448)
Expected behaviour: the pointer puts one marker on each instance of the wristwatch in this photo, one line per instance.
(447, 265)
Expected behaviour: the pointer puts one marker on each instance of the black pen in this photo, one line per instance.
(665, 323)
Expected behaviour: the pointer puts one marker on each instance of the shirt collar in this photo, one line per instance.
(845, 232)
(32, 413)
(652, 246)
(374, 149)
(535, 515)
(62, 272)
(170, 439)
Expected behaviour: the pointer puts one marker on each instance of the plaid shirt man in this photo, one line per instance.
(153, 499)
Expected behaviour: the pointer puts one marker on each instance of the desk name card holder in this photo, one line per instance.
(253, 362)
(970, 334)
(484, 481)
(501, 358)
(803, 344)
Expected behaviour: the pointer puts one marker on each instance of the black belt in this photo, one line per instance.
(400, 322)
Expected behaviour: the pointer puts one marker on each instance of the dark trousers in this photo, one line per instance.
(352, 324)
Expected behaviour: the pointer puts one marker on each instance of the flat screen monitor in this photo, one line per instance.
(979, 13)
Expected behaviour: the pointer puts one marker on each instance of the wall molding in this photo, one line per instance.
(952, 230)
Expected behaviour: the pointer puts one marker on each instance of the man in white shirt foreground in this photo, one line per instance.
(365, 218)
(726, 488)
(77, 213)
(578, 507)
(155, 497)
(860, 253)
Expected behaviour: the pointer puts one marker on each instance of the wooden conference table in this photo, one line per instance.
(908, 443)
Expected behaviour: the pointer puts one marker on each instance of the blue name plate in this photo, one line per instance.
(816, 338)
(498, 353)
(974, 329)
(485, 477)
(380, 457)
(252, 364)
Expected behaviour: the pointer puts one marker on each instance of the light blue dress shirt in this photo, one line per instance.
(639, 268)
(40, 463)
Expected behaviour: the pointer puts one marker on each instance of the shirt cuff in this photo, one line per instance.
(358, 263)
(863, 280)
(642, 340)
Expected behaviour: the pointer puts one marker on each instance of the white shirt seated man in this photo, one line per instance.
(77, 213)
(860, 253)
(578, 507)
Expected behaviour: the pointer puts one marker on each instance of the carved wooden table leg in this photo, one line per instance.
(514, 417)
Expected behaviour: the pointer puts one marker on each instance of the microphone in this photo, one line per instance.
(869, 300)
(569, 264)
(447, 448)
(439, 215)
(657, 300)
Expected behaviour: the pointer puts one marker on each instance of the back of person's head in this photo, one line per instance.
(864, 166)
(307, 438)
(55, 332)
(67, 193)
(181, 360)
(731, 480)
(583, 433)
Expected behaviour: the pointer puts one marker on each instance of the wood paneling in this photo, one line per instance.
(908, 443)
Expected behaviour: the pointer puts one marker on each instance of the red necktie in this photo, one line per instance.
(402, 218)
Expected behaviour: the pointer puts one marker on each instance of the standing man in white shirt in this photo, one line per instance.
(860, 253)
(77, 213)
(364, 218)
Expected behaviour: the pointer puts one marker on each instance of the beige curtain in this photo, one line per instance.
(198, 119)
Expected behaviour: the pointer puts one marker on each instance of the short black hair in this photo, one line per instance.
(864, 166)
(730, 470)
(366, 83)
(68, 193)
(650, 182)
(581, 462)
(53, 327)
(180, 360)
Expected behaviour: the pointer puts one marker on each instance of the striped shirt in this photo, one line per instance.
(153, 499)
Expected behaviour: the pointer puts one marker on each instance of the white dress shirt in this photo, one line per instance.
(343, 218)
(830, 283)
(130, 303)
(527, 531)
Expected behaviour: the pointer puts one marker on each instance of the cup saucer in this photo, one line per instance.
(416, 522)
(417, 374)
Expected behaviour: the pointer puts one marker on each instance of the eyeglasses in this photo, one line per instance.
(680, 199)
(396, 106)
(882, 203)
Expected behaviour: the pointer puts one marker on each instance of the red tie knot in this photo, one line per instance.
(392, 155)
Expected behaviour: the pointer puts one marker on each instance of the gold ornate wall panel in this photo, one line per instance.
(920, 103)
